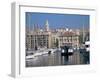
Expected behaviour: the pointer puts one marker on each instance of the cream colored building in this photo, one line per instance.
(38, 38)
(46, 38)
(69, 39)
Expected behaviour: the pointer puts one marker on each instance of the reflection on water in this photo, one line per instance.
(56, 59)
(64, 60)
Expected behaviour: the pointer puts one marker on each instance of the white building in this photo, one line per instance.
(38, 38)
(46, 38)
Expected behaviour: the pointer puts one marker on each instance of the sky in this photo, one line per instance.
(73, 21)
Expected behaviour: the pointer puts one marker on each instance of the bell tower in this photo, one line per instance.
(46, 26)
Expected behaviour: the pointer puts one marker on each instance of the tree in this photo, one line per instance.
(57, 43)
(81, 38)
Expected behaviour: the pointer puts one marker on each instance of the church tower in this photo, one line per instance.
(47, 26)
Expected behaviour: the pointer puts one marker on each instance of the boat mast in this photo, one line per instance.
(83, 34)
